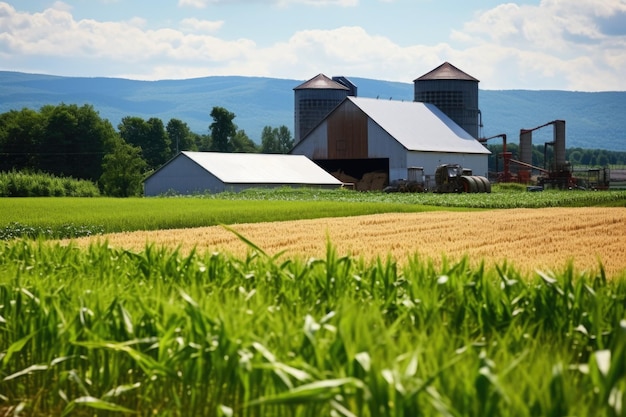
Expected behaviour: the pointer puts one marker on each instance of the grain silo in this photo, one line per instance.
(454, 92)
(315, 98)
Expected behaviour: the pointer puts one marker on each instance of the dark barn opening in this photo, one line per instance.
(368, 173)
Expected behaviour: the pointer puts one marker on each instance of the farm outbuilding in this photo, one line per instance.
(214, 172)
(366, 135)
(354, 138)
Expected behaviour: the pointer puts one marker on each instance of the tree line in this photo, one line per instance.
(68, 140)
(74, 141)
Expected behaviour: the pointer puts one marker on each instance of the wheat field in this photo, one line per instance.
(528, 239)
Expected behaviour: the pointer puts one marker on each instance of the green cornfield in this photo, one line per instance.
(108, 332)
(73, 216)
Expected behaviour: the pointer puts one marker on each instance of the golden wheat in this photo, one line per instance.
(529, 239)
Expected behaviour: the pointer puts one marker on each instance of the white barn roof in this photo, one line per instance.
(215, 172)
(419, 126)
(247, 168)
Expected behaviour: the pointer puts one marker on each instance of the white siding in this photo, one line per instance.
(213, 172)
(380, 144)
(182, 176)
(316, 144)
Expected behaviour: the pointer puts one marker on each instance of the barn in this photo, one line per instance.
(360, 136)
(214, 172)
(364, 135)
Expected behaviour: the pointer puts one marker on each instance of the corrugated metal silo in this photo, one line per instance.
(315, 99)
(559, 145)
(525, 154)
(454, 92)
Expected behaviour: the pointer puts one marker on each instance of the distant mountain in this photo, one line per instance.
(594, 120)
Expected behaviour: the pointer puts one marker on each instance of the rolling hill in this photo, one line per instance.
(594, 120)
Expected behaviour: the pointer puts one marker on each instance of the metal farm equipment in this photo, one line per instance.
(452, 178)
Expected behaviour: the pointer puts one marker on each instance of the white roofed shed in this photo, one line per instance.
(214, 172)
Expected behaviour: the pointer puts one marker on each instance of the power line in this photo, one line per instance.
(51, 153)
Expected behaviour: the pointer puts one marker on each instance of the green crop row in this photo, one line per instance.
(102, 331)
(251, 206)
(21, 184)
(63, 231)
(502, 196)
(130, 214)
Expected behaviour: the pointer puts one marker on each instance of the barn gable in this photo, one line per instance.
(416, 126)
(198, 172)
(364, 135)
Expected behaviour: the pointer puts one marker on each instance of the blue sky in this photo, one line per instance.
(542, 44)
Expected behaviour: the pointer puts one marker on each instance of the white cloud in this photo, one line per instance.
(573, 44)
(54, 33)
(349, 51)
(319, 3)
(553, 45)
(200, 26)
(201, 4)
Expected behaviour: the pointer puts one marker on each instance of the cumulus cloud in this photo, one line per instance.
(200, 4)
(318, 3)
(577, 45)
(201, 26)
(552, 45)
(55, 33)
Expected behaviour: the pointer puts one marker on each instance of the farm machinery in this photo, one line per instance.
(449, 178)
(452, 178)
(557, 173)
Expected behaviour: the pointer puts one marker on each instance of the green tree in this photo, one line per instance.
(575, 157)
(60, 132)
(123, 171)
(157, 152)
(276, 140)
(180, 136)
(150, 136)
(222, 129)
(242, 143)
(61, 140)
(21, 133)
(538, 156)
(74, 141)
(603, 159)
(133, 130)
(586, 158)
(203, 142)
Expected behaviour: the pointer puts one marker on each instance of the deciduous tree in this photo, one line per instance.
(123, 171)
(21, 133)
(180, 136)
(222, 129)
(276, 140)
(150, 136)
(242, 143)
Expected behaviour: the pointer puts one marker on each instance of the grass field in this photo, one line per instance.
(115, 215)
(69, 217)
(363, 322)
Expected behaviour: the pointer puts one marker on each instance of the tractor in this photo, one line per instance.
(452, 178)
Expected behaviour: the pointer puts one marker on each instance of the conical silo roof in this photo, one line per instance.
(446, 71)
(321, 82)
